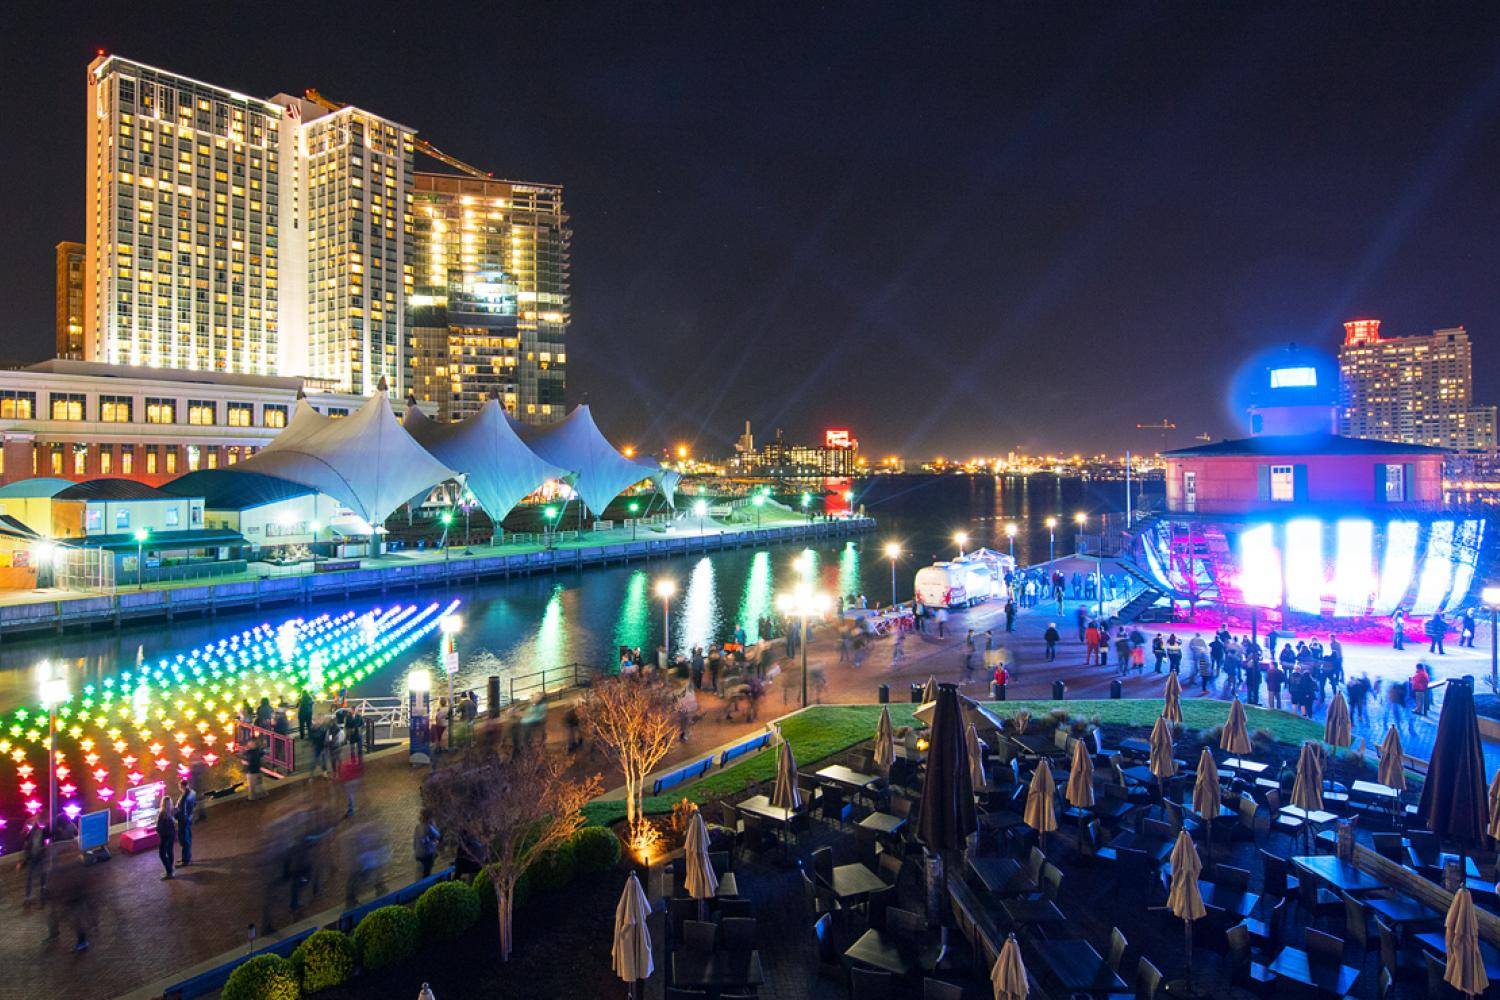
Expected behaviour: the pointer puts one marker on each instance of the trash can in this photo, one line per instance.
(1059, 690)
(1115, 690)
(492, 691)
(884, 691)
(997, 691)
(916, 694)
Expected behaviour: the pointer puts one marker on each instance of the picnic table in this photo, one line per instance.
(1315, 971)
(1079, 968)
(1337, 872)
(1436, 942)
(716, 970)
(889, 953)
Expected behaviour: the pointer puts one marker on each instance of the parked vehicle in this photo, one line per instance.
(959, 583)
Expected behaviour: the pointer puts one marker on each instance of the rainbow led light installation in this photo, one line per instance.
(156, 720)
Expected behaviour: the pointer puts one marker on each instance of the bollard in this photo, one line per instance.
(916, 694)
(997, 691)
(1059, 690)
(1115, 690)
(493, 691)
(884, 691)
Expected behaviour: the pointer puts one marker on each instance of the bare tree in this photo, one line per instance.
(637, 725)
(505, 811)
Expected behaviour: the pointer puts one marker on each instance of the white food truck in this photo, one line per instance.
(959, 583)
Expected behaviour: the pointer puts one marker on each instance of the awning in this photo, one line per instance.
(159, 540)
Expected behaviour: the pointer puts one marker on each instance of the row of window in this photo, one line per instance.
(171, 518)
(64, 460)
(121, 410)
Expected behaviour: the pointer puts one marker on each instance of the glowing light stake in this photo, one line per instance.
(1437, 569)
(1396, 570)
(1354, 581)
(1304, 565)
(1260, 567)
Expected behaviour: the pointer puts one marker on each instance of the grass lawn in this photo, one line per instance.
(825, 730)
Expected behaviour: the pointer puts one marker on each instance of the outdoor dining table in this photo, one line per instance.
(1032, 911)
(716, 970)
(1079, 968)
(1435, 942)
(1240, 902)
(1374, 789)
(1317, 817)
(1138, 748)
(883, 822)
(838, 774)
(853, 881)
(1323, 974)
(1140, 774)
(1246, 766)
(1337, 872)
(995, 874)
(1427, 858)
(760, 805)
(889, 953)
(1397, 910)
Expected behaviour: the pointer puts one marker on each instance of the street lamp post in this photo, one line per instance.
(52, 688)
(665, 588)
(141, 534)
(1491, 597)
(807, 506)
(447, 519)
(468, 506)
(700, 508)
(1051, 540)
(961, 539)
(893, 552)
(450, 625)
(1082, 519)
(803, 603)
(634, 508)
(758, 501)
(549, 513)
(1010, 533)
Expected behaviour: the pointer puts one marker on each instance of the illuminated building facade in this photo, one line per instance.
(1418, 390)
(1297, 520)
(838, 456)
(82, 419)
(181, 267)
(70, 299)
(490, 311)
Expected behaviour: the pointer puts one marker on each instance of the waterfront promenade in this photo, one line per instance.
(146, 929)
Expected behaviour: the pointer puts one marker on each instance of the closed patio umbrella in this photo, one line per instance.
(1307, 792)
(1336, 722)
(885, 741)
(1392, 761)
(1465, 965)
(630, 954)
(946, 816)
(976, 758)
(1235, 737)
(1021, 720)
(1454, 803)
(1161, 763)
(1171, 707)
(1185, 899)
(1041, 811)
(1207, 797)
(1080, 788)
(701, 882)
(1008, 977)
(1495, 807)
(785, 794)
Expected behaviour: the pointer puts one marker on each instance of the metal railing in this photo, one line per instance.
(550, 680)
(281, 750)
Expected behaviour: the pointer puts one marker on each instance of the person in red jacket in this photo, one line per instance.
(1091, 641)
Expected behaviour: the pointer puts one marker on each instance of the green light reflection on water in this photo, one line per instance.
(849, 584)
(633, 627)
(550, 647)
(700, 608)
(759, 598)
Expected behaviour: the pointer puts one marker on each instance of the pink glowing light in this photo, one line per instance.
(106, 793)
(25, 770)
(135, 777)
(128, 761)
(161, 763)
(126, 803)
(210, 759)
(72, 810)
(100, 774)
(68, 788)
(27, 787)
(33, 806)
(63, 772)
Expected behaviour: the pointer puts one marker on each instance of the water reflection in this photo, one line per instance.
(759, 597)
(633, 627)
(849, 583)
(700, 609)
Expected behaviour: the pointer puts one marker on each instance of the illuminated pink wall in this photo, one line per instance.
(1231, 483)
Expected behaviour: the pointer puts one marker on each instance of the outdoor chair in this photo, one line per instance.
(1117, 946)
(1317, 901)
(834, 808)
(1249, 812)
(1241, 962)
(936, 989)
(1317, 944)
(876, 904)
(674, 993)
(722, 861)
(678, 911)
(1268, 932)
(1278, 881)
(867, 984)
(1232, 878)
(700, 935)
(733, 908)
(756, 835)
(905, 924)
(867, 841)
(1357, 926)
(739, 933)
(890, 868)
(828, 953)
(1383, 985)
(1437, 988)
(818, 900)
(1052, 878)
(1391, 846)
(1148, 980)
(822, 859)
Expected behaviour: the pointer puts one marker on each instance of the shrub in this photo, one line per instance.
(264, 977)
(596, 849)
(324, 960)
(554, 869)
(447, 910)
(387, 936)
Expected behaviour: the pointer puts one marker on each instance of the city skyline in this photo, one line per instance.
(775, 294)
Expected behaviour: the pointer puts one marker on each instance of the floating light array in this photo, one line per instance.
(158, 719)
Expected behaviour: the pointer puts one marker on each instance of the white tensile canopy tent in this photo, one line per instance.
(576, 443)
(366, 461)
(498, 467)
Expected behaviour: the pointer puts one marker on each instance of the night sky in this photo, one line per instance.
(957, 230)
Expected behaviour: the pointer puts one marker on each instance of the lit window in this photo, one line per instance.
(67, 406)
(172, 517)
(240, 414)
(1395, 483)
(275, 415)
(161, 411)
(114, 409)
(122, 519)
(201, 412)
(1283, 484)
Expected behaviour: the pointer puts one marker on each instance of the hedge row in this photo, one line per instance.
(392, 934)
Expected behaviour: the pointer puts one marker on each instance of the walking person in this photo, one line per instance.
(1358, 691)
(1420, 683)
(1398, 628)
(166, 836)
(356, 728)
(1122, 651)
(1466, 628)
(1082, 615)
(35, 859)
(1274, 679)
(1010, 615)
(1436, 628)
(304, 715)
(254, 755)
(942, 622)
(1174, 653)
(971, 653)
(424, 842)
(1051, 637)
(1253, 676)
(187, 806)
(1202, 663)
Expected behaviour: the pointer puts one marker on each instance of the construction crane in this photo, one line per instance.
(1162, 425)
(421, 145)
